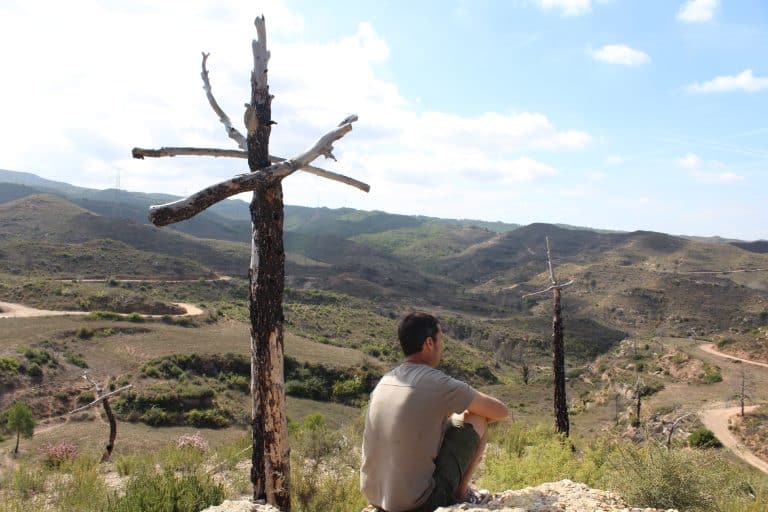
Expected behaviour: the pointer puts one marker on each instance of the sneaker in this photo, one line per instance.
(476, 496)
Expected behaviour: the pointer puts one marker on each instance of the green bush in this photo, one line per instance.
(211, 418)
(167, 492)
(704, 438)
(136, 318)
(85, 333)
(39, 356)
(26, 481)
(104, 315)
(75, 359)
(651, 476)
(9, 368)
(33, 370)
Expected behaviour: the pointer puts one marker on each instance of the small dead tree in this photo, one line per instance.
(672, 428)
(742, 394)
(639, 388)
(270, 470)
(104, 399)
(558, 350)
(617, 406)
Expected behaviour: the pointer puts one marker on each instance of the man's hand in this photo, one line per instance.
(488, 407)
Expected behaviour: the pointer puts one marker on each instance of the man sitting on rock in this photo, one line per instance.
(424, 431)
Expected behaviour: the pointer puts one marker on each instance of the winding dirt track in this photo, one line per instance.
(716, 420)
(11, 310)
(710, 349)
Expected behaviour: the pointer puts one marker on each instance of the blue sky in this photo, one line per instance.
(606, 113)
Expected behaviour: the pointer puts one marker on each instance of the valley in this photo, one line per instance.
(86, 283)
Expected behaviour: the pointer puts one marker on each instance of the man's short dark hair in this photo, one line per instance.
(415, 329)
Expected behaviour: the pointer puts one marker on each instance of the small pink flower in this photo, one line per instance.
(195, 441)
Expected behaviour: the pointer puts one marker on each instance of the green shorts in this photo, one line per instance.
(456, 454)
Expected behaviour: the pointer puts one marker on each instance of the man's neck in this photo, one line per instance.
(416, 359)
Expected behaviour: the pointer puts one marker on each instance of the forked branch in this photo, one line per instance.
(162, 215)
(232, 132)
(100, 398)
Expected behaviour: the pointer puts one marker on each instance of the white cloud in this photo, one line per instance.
(689, 161)
(707, 172)
(146, 91)
(697, 11)
(621, 54)
(614, 160)
(567, 7)
(744, 81)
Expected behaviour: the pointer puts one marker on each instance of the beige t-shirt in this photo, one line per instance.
(404, 428)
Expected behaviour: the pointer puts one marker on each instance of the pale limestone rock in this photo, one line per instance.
(240, 506)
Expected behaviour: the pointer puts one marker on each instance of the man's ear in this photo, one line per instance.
(429, 340)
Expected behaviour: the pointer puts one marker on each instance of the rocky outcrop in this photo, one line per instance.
(562, 496)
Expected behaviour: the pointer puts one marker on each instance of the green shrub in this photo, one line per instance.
(167, 492)
(9, 368)
(39, 356)
(75, 359)
(86, 397)
(132, 464)
(85, 333)
(136, 318)
(27, 481)
(651, 476)
(711, 375)
(104, 315)
(704, 438)
(33, 370)
(211, 418)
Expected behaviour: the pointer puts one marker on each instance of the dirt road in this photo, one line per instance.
(710, 349)
(11, 310)
(716, 420)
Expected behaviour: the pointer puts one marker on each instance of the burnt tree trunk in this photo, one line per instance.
(558, 367)
(112, 430)
(270, 469)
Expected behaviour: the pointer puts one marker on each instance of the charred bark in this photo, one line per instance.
(112, 430)
(558, 365)
(270, 472)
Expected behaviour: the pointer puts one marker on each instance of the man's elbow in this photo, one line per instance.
(500, 412)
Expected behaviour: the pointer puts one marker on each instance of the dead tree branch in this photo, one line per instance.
(673, 427)
(104, 399)
(141, 153)
(162, 215)
(232, 132)
(100, 398)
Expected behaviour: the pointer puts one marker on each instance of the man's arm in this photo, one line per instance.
(488, 407)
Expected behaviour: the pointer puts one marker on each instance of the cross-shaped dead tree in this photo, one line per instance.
(562, 424)
(104, 399)
(270, 471)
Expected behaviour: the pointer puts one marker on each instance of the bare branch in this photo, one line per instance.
(559, 286)
(232, 132)
(162, 215)
(674, 426)
(549, 262)
(100, 398)
(317, 171)
(140, 153)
